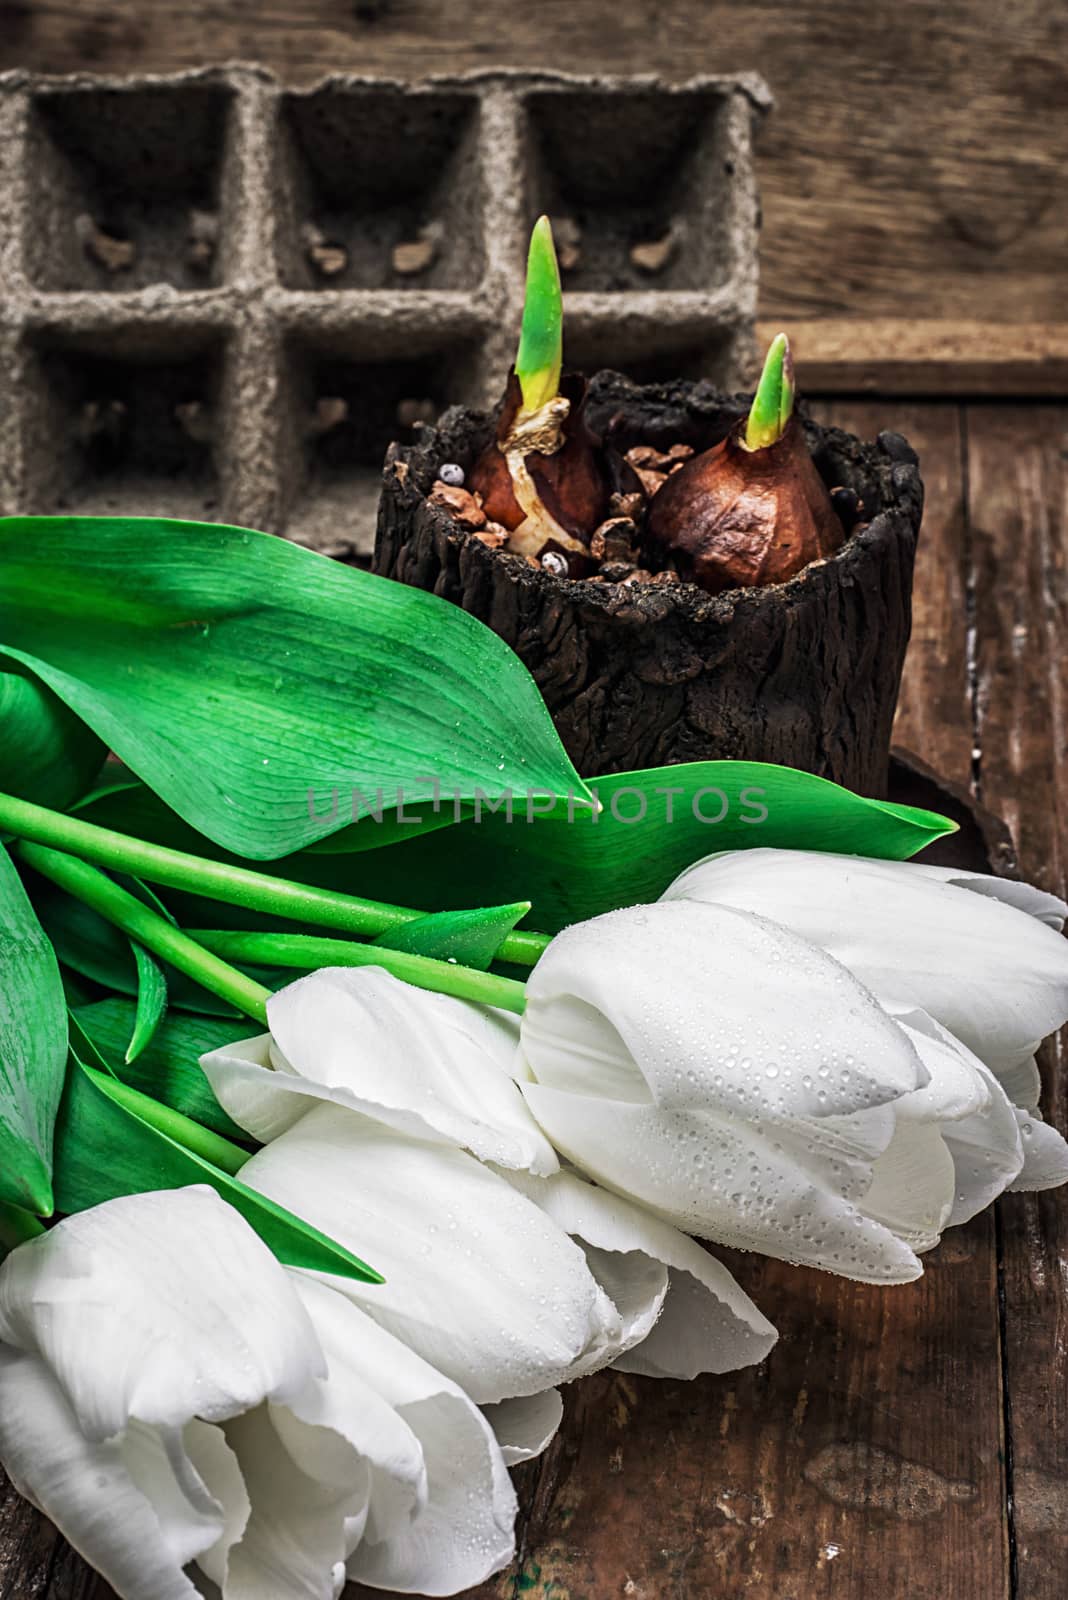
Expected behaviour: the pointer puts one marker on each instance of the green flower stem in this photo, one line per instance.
(183, 1130)
(16, 1226)
(216, 880)
(523, 947)
(307, 952)
(148, 927)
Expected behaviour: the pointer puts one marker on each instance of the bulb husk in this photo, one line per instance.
(571, 474)
(737, 518)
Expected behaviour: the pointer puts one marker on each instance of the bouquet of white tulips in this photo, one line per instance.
(320, 1179)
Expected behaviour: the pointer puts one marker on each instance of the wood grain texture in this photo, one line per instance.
(860, 1447)
(36, 1563)
(916, 160)
(896, 355)
(1018, 531)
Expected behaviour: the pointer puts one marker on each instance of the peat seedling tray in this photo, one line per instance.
(221, 299)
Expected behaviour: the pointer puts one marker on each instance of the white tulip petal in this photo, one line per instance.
(407, 1051)
(742, 1082)
(987, 1153)
(633, 1278)
(836, 1149)
(428, 1065)
(681, 1002)
(726, 1182)
(85, 1486)
(356, 1403)
(1024, 896)
(211, 1456)
(994, 975)
(959, 1082)
(478, 1281)
(158, 1306)
(1045, 1153)
(706, 1322)
(637, 1286)
(699, 1331)
(977, 1124)
(912, 1185)
(525, 1428)
(1022, 1082)
(295, 1537)
(988, 1144)
(256, 1087)
(462, 1529)
(190, 1518)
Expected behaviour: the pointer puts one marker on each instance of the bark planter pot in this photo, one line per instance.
(805, 673)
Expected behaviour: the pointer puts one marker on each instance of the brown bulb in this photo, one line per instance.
(734, 518)
(574, 483)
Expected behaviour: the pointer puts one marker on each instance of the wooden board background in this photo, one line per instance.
(912, 1443)
(915, 167)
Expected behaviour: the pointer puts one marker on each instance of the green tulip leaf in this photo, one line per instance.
(92, 947)
(168, 1068)
(652, 824)
(84, 941)
(262, 689)
(33, 1048)
(111, 1141)
(84, 1049)
(76, 990)
(151, 978)
(17, 1227)
(470, 938)
(47, 754)
(151, 1001)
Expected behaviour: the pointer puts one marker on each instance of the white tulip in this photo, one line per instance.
(737, 1081)
(978, 953)
(426, 1064)
(486, 1282)
(170, 1395)
(479, 1281)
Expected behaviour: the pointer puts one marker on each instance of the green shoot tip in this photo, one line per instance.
(773, 402)
(540, 355)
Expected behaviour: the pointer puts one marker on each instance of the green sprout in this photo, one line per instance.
(773, 402)
(540, 355)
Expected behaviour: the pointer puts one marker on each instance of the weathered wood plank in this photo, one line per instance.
(866, 1445)
(35, 1562)
(1018, 530)
(893, 355)
(916, 160)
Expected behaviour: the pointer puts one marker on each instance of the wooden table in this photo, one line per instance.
(916, 1438)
